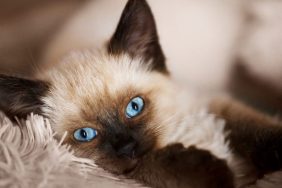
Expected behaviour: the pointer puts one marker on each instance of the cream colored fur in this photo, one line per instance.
(88, 76)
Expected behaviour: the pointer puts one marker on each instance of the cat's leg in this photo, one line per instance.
(177, 167)
(253, 136)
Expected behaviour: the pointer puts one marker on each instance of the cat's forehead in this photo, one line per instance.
(87, 71)
(85, 80)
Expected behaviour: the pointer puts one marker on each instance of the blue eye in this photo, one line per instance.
(134, 107)
(85, 134)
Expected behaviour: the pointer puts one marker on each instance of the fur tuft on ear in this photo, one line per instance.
(136, 35)
(19, 97)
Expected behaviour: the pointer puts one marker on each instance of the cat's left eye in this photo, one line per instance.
(134, 107)
(85, 134)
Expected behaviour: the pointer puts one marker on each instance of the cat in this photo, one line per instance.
(122, 110)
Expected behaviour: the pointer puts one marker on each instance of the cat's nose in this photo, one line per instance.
(127, 149)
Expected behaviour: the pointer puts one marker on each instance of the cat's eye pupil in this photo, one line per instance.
(134, 106)
(83, 133)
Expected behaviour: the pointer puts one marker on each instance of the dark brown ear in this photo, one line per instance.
(136, 35)
(19, 97)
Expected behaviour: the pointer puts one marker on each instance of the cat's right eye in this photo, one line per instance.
(85, 134)
(134, 107)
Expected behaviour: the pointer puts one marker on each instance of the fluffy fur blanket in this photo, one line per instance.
(31, 157)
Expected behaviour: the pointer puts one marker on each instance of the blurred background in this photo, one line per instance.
(26, 26)
(232, 46)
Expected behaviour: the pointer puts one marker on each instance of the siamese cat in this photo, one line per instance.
(122, 110)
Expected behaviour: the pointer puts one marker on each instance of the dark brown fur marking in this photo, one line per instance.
(255, 137)
(177, 167)
(118, 136)
(136, 35)
(19, 97)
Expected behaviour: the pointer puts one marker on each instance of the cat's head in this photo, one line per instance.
(114, 105)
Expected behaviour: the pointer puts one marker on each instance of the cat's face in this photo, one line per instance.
(120, 103)
(114, 106)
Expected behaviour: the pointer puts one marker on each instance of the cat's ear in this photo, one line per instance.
(19, 97)
(136, 35)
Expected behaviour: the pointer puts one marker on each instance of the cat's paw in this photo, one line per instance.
(175, 166)
(192, 167)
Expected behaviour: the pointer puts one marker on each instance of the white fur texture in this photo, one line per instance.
(31, 158)
(204, 131)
